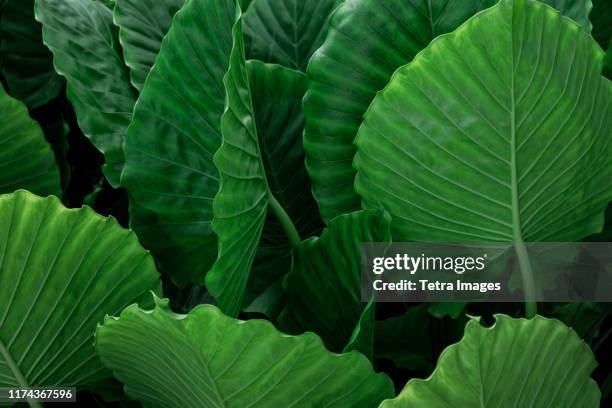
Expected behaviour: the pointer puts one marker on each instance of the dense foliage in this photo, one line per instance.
(185, 187)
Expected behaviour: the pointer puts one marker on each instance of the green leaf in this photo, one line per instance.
(26, 159)
(241, 205)
(169, 172)
(508, 143)
(601, 16)
(61, 271)
(367, 42)
(83, 39)
(142, 26)
(414, 339)
(324, 285)
(362, 338)
(277, 93)
(286, 32)
(26, 64)
(516, 362)
(207, 359)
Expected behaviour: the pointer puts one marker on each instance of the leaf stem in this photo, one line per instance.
(531, 306)
(285, 220)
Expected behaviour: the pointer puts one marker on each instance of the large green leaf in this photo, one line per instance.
(277, 94)
(142, 26)
(367, 42)
(206, 359)
(26, 159)
(324, 285)
(61, 271)
(241, 205)
(516, 362)
(508, 143)
(286, 32)
(169, 172)
(26, 64)
(83, 39)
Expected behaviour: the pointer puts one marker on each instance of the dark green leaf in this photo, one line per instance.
(25, 62)
(286, 32)
(142, 26)
(26, 159)
(83, 39)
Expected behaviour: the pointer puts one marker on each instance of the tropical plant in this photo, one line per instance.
(186, 185)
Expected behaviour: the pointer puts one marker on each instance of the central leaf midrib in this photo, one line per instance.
(10, 362)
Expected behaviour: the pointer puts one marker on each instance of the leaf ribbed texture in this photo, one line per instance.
(142, 27)
(83, 39)
(368, 40)
(515, 363)
(206, 359)
(477, 143)
(169, 172)
(61, 271)
(286, 32)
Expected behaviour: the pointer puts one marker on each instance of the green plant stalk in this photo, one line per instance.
(531, 307)
(16, 373)
(285, 220)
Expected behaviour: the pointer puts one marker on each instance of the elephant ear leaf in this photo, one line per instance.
(83, 39)
(323, 288)
(516, 362)
(367, 41)
(286, 32)
(504, 143)
(169, 172)
(228, 362)
(61, 271)
(26, 64)
(142, 27)
(26, 159)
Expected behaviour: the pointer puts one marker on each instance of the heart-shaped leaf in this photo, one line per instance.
(516, 362)
(86, 51)
(61, 271)
(142, 27)
(26, 159)
(169, 173)
(26, 64)
(367, 42)
(277, 94)
(504, 143)
(206, 359)
(286, 32)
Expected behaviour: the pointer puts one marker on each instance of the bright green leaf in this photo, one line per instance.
(286, 32)
(206, 359)
(142, 26)
(26, 159)
(83, 39)
(169, 172)
(324, 285)
(508, 143)
(61, 271)
(26, 64)
(516, 362)
(367, 42)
